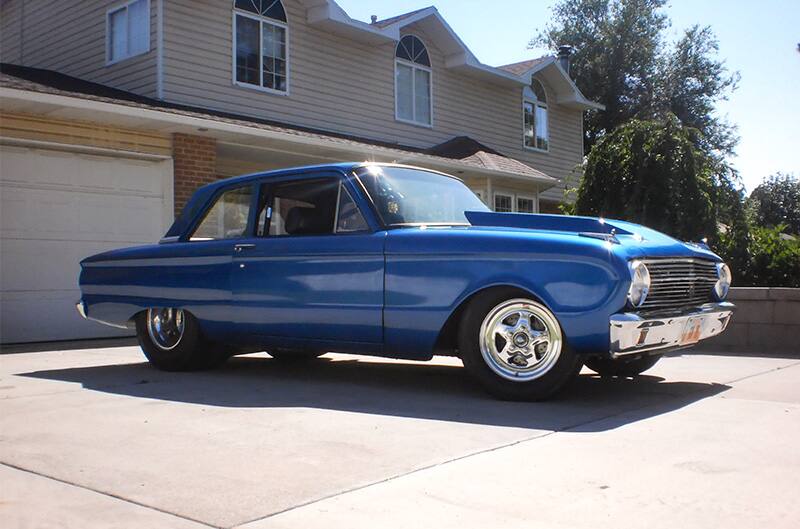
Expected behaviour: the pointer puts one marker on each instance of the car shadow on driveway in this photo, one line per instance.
(416, 390)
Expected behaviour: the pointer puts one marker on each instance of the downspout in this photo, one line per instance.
(160, 49)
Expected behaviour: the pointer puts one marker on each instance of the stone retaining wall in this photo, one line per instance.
(766, 319)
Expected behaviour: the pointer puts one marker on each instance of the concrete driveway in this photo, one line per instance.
(96, 438)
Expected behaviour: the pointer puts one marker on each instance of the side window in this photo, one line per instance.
(227, 218)
(348, 218)
(303, 207)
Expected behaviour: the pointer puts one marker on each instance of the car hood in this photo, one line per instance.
(631, 240)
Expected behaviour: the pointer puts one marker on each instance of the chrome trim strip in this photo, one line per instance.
(634, 333)
(166, 240)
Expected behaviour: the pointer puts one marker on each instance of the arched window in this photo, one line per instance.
(412, 73)
(261, 45)
(534, 105)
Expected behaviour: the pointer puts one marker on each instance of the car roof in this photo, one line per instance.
(342, 167)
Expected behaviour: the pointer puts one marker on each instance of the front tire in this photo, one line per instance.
(514, 347)
(172, 341)
(607, 367)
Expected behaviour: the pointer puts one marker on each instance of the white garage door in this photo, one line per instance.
(57, 208)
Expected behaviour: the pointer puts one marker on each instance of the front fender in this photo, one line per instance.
(430, 275)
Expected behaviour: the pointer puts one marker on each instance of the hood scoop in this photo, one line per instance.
(562, 223)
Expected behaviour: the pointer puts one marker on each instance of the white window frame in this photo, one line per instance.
(504, 194)
(414, 67)
(119, 7)
(515, 195)
(527, 99)
(261, 21)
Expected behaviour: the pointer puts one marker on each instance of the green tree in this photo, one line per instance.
(623, 60)
(616, 57)
(653, 173)
(777, 202)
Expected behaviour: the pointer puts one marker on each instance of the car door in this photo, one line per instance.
(313, 270)
(198, 271)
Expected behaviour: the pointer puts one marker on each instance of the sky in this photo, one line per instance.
(756, 38)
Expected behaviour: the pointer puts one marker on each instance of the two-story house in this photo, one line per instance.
(113, 112)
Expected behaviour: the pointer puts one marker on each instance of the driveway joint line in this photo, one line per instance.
(108, 495)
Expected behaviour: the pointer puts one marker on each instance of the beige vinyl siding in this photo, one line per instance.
(83, 133)
(344, 86)
(70, 37)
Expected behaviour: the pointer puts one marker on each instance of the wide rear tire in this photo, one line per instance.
(171, 340)
(514, 346)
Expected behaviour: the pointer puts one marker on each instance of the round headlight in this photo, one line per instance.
(723, 284)
(640, 283)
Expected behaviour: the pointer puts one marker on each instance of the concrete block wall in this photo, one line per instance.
(766, 319)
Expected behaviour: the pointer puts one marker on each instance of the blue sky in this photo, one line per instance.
(757, 38)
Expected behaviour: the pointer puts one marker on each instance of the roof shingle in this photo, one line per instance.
(519, 68)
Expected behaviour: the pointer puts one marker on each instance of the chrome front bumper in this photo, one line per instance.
(633, 333)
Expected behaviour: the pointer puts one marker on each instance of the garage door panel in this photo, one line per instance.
(79, 215)
(53, 169)
(57, 208)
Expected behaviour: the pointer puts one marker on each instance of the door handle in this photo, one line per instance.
(242, 247)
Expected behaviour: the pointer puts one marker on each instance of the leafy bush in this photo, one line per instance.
(651, 172)
(768, 258)
(777, 201)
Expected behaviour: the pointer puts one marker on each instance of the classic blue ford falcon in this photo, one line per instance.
(404, 262)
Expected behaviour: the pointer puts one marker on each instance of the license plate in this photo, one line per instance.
(692, 331)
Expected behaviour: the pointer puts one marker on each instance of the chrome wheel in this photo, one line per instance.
(165, 327)
(520, 340)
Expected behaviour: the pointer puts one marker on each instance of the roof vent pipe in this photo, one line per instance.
(374, 18)
(564, 53)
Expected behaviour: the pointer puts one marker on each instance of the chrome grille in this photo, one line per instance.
(678, 283)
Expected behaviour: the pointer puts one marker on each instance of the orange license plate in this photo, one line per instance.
(692, 331)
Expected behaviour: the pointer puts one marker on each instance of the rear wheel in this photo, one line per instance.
(171, 340)
(608, 367)
(514, 347)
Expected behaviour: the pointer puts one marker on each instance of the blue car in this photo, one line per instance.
(403, 262)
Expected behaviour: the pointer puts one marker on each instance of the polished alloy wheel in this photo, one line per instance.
(520, 340)
(165, 326)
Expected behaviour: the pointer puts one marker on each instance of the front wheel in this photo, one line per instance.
(171, 340)
(607, 367)
(514, 347)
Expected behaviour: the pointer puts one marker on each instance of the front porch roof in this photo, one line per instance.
(44, 92)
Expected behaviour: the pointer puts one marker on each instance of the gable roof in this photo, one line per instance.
(19, 81)
(328, 15)
(389, 21)
(520, 68)
(472, 151)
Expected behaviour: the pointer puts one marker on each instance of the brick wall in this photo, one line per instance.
(766, 320)
(195, 164)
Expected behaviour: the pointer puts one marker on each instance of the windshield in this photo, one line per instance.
(413, 196)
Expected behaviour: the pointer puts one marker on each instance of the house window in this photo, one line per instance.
(413, 96)
(127, 30)
(503, 203)
(536, 135)
(525, 205)
(261, 45)
(511, 202)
